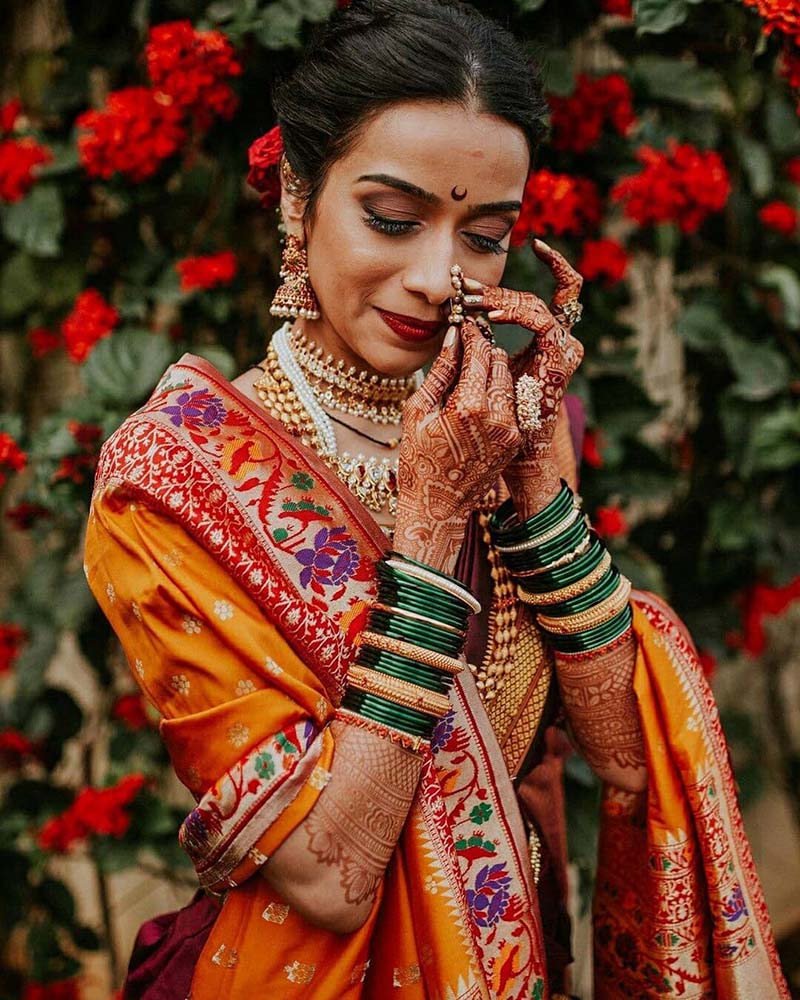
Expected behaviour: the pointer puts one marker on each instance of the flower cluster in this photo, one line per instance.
(14, 748)
(779, 15)
(207, 272)
(591, 448)
(623, 8)
(95, 811)
(12, 638)
(556, 203)
(761, 601)
(43, 341)
(90, 319)
(264, 157)
(132, 135)
(577, 121)
(610, 522)
(683, 185)
(25, 515)
(790, 66)
(792, 169)
(9, 113)
(604, 259)
(129, 710)
(12, 457)
(18, 158)
(193, 67)
(780, 216)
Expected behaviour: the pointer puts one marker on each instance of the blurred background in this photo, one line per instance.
(129, 235)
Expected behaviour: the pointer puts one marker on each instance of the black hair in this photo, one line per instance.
(379, 52)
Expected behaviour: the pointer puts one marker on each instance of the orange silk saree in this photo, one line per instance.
(235, 570)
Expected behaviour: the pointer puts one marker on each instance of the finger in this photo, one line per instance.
(568, 281)
(440, 378)
(470, 391)
(500, 393)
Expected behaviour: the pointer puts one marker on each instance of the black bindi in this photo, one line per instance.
(456, 196)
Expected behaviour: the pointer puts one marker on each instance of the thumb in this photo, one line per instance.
(440, 378)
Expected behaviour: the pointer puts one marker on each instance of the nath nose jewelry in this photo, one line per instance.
(457, 300)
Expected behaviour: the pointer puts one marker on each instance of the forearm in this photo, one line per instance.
(602, 709)
(331, 867)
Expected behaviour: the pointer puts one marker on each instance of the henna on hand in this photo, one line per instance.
(457, 437)
(603, 712)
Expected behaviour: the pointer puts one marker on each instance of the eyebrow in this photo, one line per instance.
(485, 208)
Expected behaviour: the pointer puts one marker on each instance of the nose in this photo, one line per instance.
(428, 273)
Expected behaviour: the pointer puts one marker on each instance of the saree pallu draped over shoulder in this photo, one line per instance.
(236, 571)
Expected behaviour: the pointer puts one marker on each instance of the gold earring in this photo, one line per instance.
(295, 296)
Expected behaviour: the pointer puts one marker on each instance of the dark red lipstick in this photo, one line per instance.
(409, 327)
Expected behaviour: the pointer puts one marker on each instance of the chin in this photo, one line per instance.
(403, 360)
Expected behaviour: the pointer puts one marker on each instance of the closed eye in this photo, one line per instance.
(398, 227)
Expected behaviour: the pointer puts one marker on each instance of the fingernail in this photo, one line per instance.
(450, 337)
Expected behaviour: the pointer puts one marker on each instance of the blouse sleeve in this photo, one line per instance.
(243, 718)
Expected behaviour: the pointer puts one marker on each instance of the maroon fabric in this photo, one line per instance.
(166, 951)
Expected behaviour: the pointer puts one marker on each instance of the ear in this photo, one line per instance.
(292, 209)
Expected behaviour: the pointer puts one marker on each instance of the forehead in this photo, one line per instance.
(439, 145)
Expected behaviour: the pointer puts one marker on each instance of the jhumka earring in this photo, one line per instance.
(295, 297)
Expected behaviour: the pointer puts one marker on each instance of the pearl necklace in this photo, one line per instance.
(287, 394)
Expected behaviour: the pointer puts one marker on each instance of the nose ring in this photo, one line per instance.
(457, 298)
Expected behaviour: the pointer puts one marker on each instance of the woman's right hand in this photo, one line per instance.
(454, 446)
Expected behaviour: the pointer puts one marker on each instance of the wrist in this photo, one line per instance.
(533, 483)
(435, 547)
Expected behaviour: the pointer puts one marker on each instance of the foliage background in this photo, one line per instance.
(691, 388)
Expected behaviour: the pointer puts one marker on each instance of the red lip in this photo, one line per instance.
(409, 327)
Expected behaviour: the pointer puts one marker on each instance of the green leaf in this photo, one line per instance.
(761, 371)
(124, 368)
(658, 16)
(280, 27)
(775, 441)
(731, 524)
(114, 855)
(37, 221)
(559, 72)
(757, 164)
(701, 326)
(19, 285)
(682, 82)
(787, 284)
(222, 360)
(781, 122)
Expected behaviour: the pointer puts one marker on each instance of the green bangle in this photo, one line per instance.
(415, 562)
(594, 595)
(379, 709)
(593, 638)
(414, 632)
(533, 526)
(561, 576)
(418, 600)
(550, 551)
(411, 670)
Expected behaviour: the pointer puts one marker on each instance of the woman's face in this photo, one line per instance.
(426, 186)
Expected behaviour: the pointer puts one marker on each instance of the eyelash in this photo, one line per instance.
(394, 227)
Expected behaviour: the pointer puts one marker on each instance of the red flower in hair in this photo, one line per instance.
(12, 638)
(604, 259)
(556, 203)
(264, 156)
(9, 112)
(609, 522)
(18, 159)
(132, 135)
(683, 185)
(193, 67)
(207, 272)
(577, 121)
(780, 216)
(91, 319)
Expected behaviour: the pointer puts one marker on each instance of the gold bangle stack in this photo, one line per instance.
(546, 536)
(413, 616)
(586, 620)
(577, 551)
(447, 664)
(401, 692)
(573, 590)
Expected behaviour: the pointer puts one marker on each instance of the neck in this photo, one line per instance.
(324, 336)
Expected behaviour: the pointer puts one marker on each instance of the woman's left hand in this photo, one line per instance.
(553, 355)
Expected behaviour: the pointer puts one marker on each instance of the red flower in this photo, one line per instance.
(762, 600)
(9, 112)
(556, 203)
(86, 435)
(621, 7)
(609, 522)
(790, 66)
(63, 989)
(778, 15)
(76, 468)
(192, 67)
(577, 121)
(129, 710)
(207, 272)
(683, 185)
(91, 319)
(792, 169)
(264, 157)
(12, 638)
(604, 259)
(14, 747)
(18, 158)
(25, 515)
(590, 451)
(708, 662)
(132, 135)
(43, 341)
(95, 811)
(11, 455)
(780, 216)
